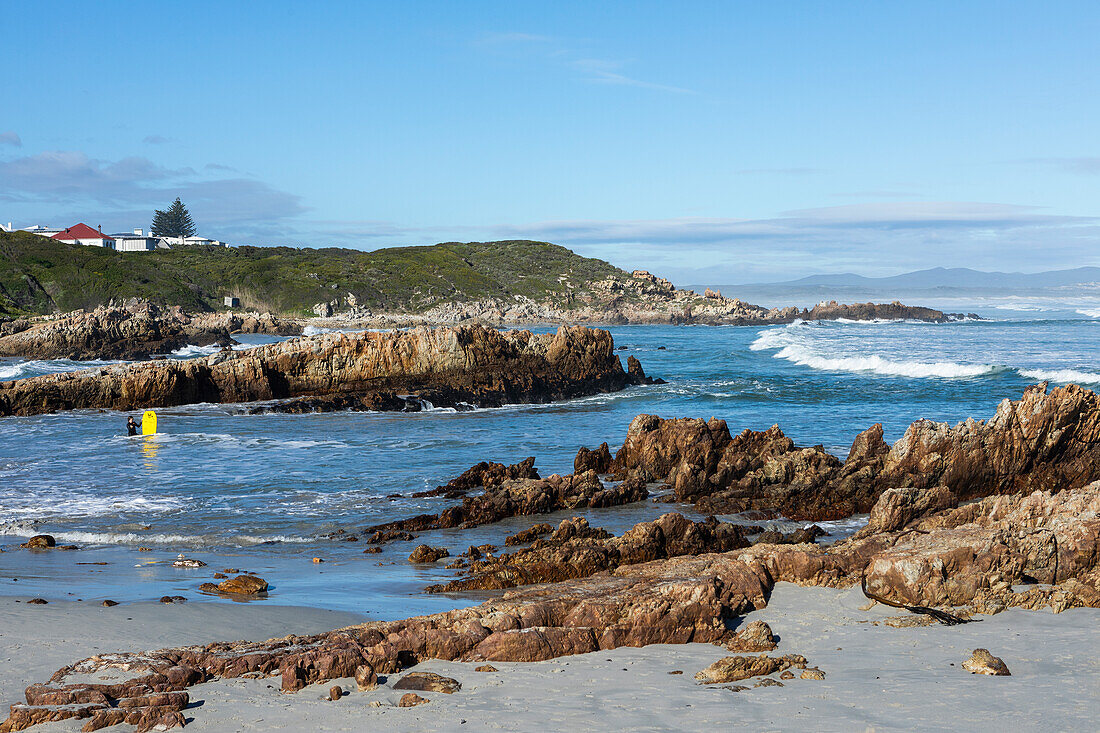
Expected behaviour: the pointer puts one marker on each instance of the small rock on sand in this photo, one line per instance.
(486, 668)
(335, 693)
(108, 603)
(38, 601)
(427, 682)
(982, 662)
(813, 673)
(755, 637)
(410, 699)
(732, 669)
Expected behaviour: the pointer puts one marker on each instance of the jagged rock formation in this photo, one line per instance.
(572, 551)
(133, 330)
(447, 366)
(1048, 441)
(483, 475)
(523, 497)
(971, 555)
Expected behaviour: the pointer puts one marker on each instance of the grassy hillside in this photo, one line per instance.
(39, 275)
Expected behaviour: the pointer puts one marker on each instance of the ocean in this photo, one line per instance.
(261, 492)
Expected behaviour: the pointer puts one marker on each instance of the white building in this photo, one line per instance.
(84, 234)
(42, 231)
(194, 240)
(138, 241)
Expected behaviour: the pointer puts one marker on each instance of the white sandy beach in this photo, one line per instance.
(878, 678)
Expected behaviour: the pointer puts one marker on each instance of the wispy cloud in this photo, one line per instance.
(11, 138)
(156, 140)
(603, 71)
(593, 70)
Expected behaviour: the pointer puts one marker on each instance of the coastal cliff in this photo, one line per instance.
(447, 366)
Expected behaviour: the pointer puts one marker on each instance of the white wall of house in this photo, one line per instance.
(108, 243)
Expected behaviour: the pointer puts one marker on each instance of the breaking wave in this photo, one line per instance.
(38, 367)
(791, 346)
(1065, 376)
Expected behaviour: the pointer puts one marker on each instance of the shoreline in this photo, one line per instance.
(876, 677)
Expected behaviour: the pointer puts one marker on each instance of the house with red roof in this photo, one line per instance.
(84, 234)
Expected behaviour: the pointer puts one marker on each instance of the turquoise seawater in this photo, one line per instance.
(260, 492)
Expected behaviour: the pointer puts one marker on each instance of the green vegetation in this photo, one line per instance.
(174, 222)
(39, 275)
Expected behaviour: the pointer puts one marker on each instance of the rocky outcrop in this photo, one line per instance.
(134, 330)
(574, 552)
(1048, 441)
(483, 475)
(447, 366)
(971, 555)
(523, 497)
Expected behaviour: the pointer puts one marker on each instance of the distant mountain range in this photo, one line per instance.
(939, 278)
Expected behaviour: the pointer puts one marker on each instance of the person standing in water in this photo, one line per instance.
(131, 426)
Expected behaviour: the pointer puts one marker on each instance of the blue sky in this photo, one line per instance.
(717, 142)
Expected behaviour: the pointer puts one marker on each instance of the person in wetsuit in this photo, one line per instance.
(131, 426)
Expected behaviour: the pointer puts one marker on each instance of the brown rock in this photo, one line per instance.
(982, 662)
(40, 542)
(426, 554)
(109, 603)
(38, 601)
(528, 535)
(427, 682)
(447, 366)
(813, 673)
(365, 677)
(335, 693)
(575, 550)
(598, 460)
(483, 475)
(486, 668)
(244, 585)
(411, 699)
(786, 675)
(756, 636)
(732, 669)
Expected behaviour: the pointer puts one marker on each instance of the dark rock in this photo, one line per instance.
(427, 682)
(40, 542)
(410, 699)
(426, 554)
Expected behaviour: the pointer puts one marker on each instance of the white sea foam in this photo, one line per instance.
(154, 538)
(791, 345)
(1089, 312)
(190, 351)
(1064, 376)
(38, 367)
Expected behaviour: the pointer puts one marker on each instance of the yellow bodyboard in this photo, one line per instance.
(149, 423)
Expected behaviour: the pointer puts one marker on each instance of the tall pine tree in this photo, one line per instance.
(175, 222)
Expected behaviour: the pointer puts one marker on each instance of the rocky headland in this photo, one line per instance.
(136, 329)
(469, 365)
(637, 298)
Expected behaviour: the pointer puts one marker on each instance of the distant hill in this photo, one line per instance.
(944, 277)
(39, 275)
